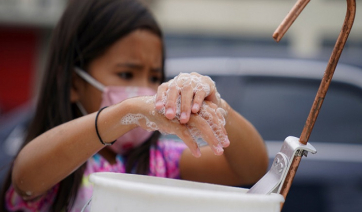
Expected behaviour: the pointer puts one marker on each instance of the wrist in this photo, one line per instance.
(227, 108)
(108, 123)
(137, 105)
(129, 106)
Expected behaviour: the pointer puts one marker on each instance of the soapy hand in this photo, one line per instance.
(207, 124)
(185, 94)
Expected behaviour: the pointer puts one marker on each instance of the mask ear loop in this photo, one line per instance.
(81, 108)
(84, 75)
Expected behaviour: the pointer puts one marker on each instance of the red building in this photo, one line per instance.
(25, 27)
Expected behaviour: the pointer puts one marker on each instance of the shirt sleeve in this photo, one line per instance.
(165, 158)
(14, 202)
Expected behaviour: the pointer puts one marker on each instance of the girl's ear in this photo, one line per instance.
(76, 88)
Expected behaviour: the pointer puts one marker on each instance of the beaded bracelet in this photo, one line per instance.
(100, 139)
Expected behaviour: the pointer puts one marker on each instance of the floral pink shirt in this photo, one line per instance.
(164, 162)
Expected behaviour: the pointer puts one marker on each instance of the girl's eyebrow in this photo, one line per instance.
(156, 70)
(130, 65)
(137, 66)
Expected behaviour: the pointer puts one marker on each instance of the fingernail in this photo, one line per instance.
(226, 142)
(159, 104)
(195, 107)
(183, 116)
(197, 153)
(169, 111)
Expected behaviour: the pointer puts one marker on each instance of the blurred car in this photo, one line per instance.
(13, 128)
(276, 95)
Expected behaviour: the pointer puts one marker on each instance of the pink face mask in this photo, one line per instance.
(113, 95)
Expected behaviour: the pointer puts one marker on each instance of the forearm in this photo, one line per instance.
(55, 154)
(247, 154)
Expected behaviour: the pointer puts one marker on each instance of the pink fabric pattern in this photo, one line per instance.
(164, 162)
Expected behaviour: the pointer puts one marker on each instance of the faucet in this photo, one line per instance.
(323, 88)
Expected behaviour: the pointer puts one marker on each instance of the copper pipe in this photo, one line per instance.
(323, 88)
(289, 19)
(328, 74)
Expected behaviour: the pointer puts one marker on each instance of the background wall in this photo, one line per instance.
(198, 28)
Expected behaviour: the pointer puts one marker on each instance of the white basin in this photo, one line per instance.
(136, 193)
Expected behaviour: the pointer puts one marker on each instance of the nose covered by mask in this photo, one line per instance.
(113, 95)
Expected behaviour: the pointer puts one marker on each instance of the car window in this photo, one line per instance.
(279, 106)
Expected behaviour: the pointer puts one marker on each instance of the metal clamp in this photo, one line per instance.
(273, 180)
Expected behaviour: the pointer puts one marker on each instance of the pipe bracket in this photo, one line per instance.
(274, 179)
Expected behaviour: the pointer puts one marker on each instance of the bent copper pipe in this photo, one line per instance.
(323, 88)
(289, 20)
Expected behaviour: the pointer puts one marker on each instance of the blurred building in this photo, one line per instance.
(235, 28)
(25, 28)
(319, 23)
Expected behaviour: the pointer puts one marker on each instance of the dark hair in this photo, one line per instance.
(85, 31)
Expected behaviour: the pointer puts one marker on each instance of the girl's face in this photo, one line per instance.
(134, 60)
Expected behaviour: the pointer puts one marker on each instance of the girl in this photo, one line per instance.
(102, 53)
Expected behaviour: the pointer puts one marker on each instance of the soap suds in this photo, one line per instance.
(206, 112)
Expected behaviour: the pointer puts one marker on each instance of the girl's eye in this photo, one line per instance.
(125, 75)
(155, 79)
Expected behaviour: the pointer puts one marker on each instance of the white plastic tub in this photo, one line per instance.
(137, 193)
